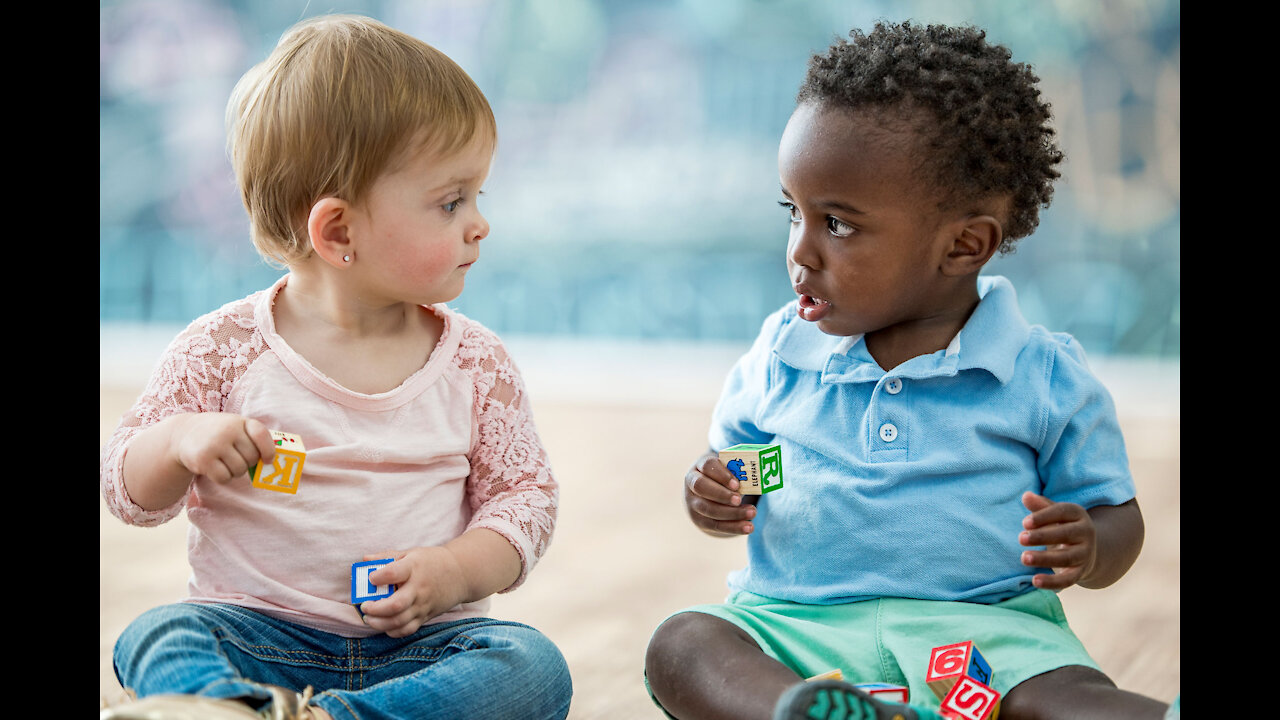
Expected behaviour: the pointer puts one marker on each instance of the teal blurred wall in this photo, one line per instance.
(634, 192)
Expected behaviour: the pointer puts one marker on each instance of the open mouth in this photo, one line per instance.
(812, 308)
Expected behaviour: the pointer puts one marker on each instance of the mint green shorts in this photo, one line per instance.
(890, 639)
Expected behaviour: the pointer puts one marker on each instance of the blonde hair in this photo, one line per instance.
(339, 101)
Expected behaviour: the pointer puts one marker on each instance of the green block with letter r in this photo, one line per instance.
(758, 467)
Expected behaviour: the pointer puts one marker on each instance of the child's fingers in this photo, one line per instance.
(260, 438)
(710, 467)
(1059, 580)
(713, 504)
(244, 454)
(393, 573)
(706, 488)
(404, 630)
(397, 615)
(388, 609)
(216, 469)
(719, 518)
(1053, 512)
(714, 508)
(234, 466)
(1060, 534)
(203, 459)
(395, 623)
(725, 527)
(1034, 502)
(394, 627)
(719, 511)
(227, 446)
(1072, 556)
(223, 466)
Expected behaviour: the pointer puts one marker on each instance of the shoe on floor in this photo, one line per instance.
(838, 700)
(285, 705)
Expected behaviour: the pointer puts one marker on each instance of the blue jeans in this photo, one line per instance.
(477, 668)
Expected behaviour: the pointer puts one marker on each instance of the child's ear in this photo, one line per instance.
(975, 240)
(327, 228)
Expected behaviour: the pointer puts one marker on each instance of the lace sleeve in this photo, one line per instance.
(510, 490)
(195, 374)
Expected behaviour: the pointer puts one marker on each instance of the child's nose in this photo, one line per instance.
(801, 248)
(481, 229)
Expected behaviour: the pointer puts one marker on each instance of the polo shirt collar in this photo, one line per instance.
(995, 333)
(990, 340)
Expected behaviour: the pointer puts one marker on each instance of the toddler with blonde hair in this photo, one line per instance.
(360, 152)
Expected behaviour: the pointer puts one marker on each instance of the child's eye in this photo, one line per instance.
(792, 214)
(838, 227)
(452, 206)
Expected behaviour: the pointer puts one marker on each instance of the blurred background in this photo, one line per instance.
(636, 246)
(634, 191)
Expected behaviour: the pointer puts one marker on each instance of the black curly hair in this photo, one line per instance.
(987, 131)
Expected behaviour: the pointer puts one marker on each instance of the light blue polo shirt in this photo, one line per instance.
(908, 483)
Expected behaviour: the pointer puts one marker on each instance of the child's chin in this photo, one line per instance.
(450, 294)
(833, 326)
(830, 329)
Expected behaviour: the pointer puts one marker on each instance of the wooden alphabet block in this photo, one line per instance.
(971, 700)
(949, 663)
(361, 588)
(285, 470)
(757, 467)
(885, 691)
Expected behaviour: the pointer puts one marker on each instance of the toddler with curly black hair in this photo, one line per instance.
(948, 467)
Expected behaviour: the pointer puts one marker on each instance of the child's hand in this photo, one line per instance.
(711, 498)
(1069, 536)
(428, 581)
(220, 446)
(163, 458)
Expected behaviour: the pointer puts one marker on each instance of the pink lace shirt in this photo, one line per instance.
(452, 448)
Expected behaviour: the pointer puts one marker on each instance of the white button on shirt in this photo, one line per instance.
(893, 386)
(888, 432)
